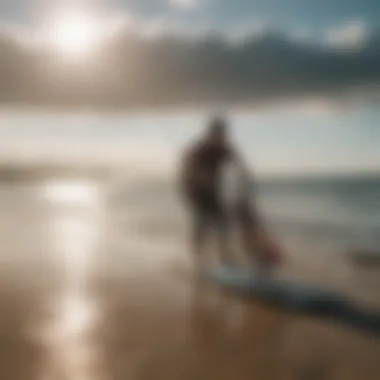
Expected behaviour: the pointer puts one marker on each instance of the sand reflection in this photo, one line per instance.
(76, 222)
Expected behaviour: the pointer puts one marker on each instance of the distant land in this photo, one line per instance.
(36, 172)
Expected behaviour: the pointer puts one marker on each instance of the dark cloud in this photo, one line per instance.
(173, 70)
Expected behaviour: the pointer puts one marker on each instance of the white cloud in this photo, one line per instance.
(185, 4)
(314, 107)
(116, 22)
(351, 35)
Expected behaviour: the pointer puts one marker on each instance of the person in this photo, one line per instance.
(202, 185)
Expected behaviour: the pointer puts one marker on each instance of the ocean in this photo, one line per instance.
(319, 221)
(344, 210)
(341, 209)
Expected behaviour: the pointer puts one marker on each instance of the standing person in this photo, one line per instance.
(201, 182)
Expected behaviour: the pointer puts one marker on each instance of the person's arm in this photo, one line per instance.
(245, 174)
(183, 170)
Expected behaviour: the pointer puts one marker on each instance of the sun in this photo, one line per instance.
(73, 32)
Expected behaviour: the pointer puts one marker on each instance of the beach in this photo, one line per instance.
(85, 296)
(266, 113)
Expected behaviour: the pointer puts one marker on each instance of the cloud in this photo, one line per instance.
(175, 68)
(351, 35)
(243, 33)
(185, 4)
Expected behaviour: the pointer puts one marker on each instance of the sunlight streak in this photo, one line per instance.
(75, 237)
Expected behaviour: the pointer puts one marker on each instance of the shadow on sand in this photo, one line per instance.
(299, 298)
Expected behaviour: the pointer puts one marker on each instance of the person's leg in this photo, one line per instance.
(199, 230)
(221, 220)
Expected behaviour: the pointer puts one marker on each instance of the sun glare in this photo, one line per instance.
(71, 192)
(74, 33)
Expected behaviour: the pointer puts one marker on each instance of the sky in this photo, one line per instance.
(313, 16)
(311, 49)
(175, 52)
(337, 22)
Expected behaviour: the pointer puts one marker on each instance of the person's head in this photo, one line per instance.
(217, 133)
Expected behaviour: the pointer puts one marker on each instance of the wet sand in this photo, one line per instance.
(82, 300)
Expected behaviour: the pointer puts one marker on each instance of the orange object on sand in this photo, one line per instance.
(260, 246)
(256, 241)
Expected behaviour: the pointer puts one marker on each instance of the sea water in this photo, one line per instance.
(344, 210)
(317, 220)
